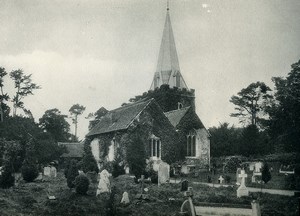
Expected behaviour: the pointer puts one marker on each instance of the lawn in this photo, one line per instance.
(31, 199)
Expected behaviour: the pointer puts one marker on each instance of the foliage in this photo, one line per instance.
(4, 109)
(81, 184)
(97, 116)
(167, 98)
(55, 123)
(10, 151)
(136, 156)
(284, 114)
(72, 173)
(75, 111)
(265, 173)
(251, 103)
(117, 169)
(231, 164)
(24, 87)
(88, 162)
(224, 140)
(7, 179)
(29, 168)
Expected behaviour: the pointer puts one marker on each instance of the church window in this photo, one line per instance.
(154, 147)
(191, 145)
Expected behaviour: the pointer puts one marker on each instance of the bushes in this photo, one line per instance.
(7, 180)
(72, 173)
(29, 171)
(231, 164)
(81, 184)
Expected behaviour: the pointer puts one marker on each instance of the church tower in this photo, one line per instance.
(168, 70)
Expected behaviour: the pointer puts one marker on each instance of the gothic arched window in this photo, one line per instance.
(191, 144)
(154, 147)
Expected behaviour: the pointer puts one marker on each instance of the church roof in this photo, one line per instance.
(120, 118)
(175, 116)
(168, 70)
(74, 150)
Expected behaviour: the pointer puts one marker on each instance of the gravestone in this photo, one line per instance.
(53, 171)
(221, 180)
(258, 166)
(104, 183)
(184, 185)
(40, 177)
(125, 198)
(242, 190)
(47, 171)
(238, 179)
(163, 173)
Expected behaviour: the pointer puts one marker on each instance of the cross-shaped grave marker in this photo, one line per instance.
(142, 180)
(221, 179)
(242, 190)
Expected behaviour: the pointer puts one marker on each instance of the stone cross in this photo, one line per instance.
(242, 190)
(243, 175)
(142, 180)
(221, 179)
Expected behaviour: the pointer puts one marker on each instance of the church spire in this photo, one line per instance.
(168, 70)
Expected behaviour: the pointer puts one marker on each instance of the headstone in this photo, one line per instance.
(163, 173)
(126, 168)
(251, 166)
(53, 171)
(242, 190)
(125, 198)
(47, 171)
(184, 185)
(238, 179)
(221, 180)
(258, 166)
(1, 168)
(40, 177)
(253, 179)
(104, 183)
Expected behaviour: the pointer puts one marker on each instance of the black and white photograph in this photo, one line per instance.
(149, 107)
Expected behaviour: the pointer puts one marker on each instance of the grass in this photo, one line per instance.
(31, 199)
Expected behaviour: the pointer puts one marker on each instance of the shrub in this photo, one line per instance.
(81, 184)
(227, 178)
(7, 180)
(88, 161)
(266, 175)
(72, 173)
(29, 171)
(231, 164)
(117, 169)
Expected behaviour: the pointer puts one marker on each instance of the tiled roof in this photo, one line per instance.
(119, 119)
(175, 116)
(74, 150)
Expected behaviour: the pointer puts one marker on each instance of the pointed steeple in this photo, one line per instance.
(168, 70)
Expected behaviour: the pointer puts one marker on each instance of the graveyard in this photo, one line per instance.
(141, 198)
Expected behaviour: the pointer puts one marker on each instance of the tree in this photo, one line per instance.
(251, 103)
(265, 173)
(29, 168)
(55, 123)
(284, 114)
(75, 111)
(4, 109)
(88, 162)
(72, 173)
(97, 116)
(136, 157)
(224, 140)
(24, 87)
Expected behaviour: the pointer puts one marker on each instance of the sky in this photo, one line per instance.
(101, 53)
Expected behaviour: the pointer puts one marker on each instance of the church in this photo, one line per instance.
(164, 123)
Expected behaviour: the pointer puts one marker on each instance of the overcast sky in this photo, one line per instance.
(101, 53)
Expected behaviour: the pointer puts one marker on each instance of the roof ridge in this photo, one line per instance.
(130, 105)
(184, 108)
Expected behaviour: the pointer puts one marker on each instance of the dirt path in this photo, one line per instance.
(251, 189)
